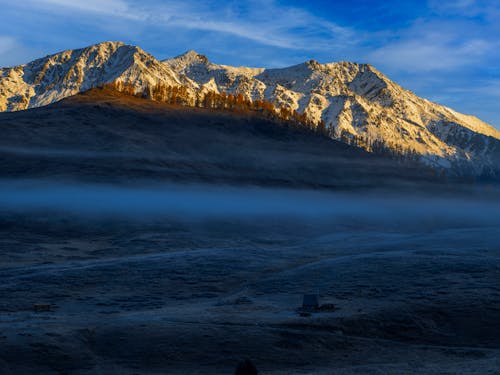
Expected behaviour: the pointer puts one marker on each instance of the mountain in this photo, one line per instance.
(64, 74)
(357, 102)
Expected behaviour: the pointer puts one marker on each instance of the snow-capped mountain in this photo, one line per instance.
(352, 99)
(359, 100)
(64, 74)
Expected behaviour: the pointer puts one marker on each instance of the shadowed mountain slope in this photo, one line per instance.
(106, 136)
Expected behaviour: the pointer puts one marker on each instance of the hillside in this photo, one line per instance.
(357, 103)
(106, 136)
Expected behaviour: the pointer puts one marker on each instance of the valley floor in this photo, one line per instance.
(195, 295)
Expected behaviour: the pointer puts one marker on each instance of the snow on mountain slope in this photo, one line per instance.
(352, 99)
(358, 100)
(58, 76)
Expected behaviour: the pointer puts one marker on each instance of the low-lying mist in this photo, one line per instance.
(193, 202)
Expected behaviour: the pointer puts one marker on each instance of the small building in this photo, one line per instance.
(310, 302)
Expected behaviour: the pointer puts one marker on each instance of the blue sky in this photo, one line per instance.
(447, 51)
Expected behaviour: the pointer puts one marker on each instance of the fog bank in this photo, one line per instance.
(191, 202)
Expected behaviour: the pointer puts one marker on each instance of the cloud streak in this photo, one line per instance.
(117, 8)
(6, 43)
(11, 51)
(426, 55)
(294, 28)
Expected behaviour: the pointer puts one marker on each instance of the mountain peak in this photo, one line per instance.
(110, 43)
(191, 57)
(54, 77)
(101, 47)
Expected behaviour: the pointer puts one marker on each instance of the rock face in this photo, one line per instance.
(58, 76)
(352, 99)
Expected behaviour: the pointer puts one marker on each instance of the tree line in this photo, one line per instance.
(180, 95)
(383, 148)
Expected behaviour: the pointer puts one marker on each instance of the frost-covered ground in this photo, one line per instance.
(194, 279)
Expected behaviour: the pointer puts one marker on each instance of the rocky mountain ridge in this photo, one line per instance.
(355, 101)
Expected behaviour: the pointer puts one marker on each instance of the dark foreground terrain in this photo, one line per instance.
(141, 238)
(135, 292)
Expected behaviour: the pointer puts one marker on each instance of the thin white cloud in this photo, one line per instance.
(453, 6)
(490, 88)
(425, 56)
(264, 22)
(275, 36)
(7, 43)
(439, 46)
(11, 52)
(465, 8)
(486, 10)
(267, 23)
(117, 8)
